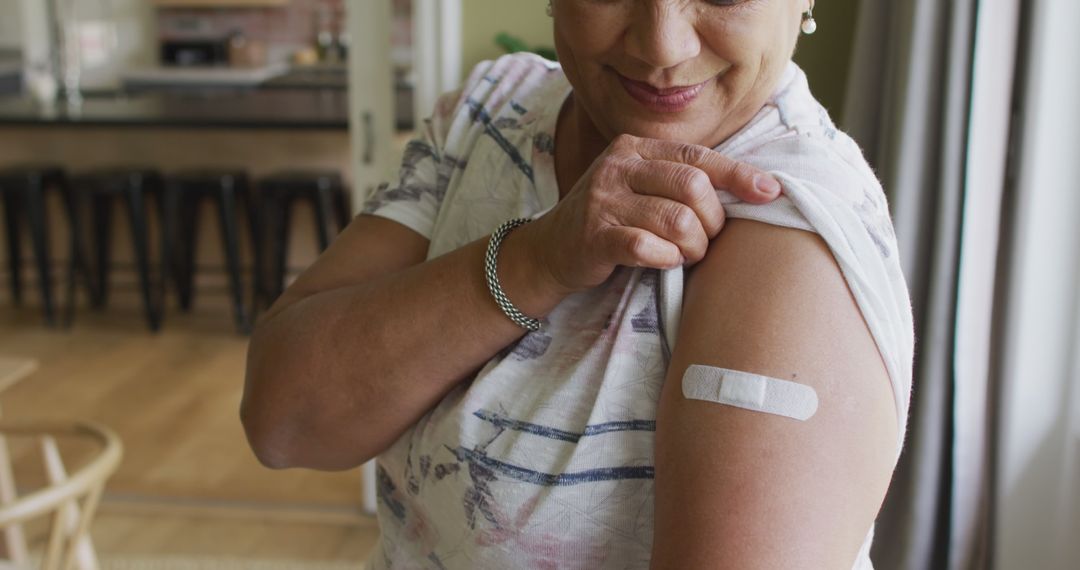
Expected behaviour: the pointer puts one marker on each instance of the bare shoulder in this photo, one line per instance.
(748, 489)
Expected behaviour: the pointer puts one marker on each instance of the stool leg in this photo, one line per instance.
(185, 246)
(268, 217)
(323, 208)
(11, 222)
(229, 236)
(256, 226)
(168, 198)
(341, 208)
(102, 207)
(156, 189)
(281, 215)
(140, 240)
(77, 266)
(39, 231)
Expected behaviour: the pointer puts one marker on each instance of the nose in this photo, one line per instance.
(662, 35)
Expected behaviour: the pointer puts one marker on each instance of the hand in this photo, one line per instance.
(643, 202)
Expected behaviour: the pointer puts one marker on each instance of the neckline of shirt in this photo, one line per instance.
(547, 185)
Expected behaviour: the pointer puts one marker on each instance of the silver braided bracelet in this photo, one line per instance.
(508, 308)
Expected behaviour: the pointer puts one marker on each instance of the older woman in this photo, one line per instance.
(499, 327)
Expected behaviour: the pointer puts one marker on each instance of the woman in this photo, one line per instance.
(587, 443)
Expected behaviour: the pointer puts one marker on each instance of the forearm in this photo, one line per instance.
(335, 377)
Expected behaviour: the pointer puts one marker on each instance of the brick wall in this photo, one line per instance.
(292, 24)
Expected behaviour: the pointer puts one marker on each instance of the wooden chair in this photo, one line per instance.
(69, 500)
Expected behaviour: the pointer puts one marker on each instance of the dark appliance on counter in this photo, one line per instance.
(10, 82)
(195, 53)
(11, 70)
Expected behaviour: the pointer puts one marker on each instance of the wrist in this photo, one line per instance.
(525, 278)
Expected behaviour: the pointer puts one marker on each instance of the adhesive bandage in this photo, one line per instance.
(749, 391)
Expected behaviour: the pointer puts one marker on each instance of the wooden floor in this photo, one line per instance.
(119, 535)
(188, 484)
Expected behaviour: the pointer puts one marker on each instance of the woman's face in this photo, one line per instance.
(692, 71)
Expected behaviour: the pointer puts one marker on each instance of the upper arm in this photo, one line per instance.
(369, 247)
(394, 238)
(390, 233)
(745, 489)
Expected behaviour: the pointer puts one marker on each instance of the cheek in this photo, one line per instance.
(584, 36)
(746, 41)
(754, 47)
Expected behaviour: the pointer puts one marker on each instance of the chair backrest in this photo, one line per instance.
(69, 499)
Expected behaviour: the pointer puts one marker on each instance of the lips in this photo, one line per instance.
(665, 100)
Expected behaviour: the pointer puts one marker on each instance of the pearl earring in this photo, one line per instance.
(809, 24)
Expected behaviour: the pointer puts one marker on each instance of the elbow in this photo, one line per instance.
(270, 455)
(288, 425)
(270, 443)
(283, 442)
(271, 434)
(265, 416)
(287, 432)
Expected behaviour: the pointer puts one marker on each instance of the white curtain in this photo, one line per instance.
(1038, 340)
(968, 110)
(929, 99)
(976, 384)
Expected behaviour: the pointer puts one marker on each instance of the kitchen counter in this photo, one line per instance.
(245, 109)
(326, 76)
(196, 77)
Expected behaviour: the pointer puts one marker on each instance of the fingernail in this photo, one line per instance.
(766, 184)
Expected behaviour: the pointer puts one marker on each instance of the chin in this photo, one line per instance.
(690, 126)
(683, 131)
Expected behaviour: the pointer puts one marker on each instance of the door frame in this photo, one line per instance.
(436, 60)
(436, 52)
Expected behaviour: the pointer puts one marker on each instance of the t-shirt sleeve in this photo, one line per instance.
(415, 198)
(844, 205)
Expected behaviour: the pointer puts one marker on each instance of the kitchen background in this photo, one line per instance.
(254, 115)
(130, 33)
(255, 85)
(246, 92)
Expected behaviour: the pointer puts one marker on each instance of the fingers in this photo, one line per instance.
(744, 181)
(682, 183)
(669, 220)
(635, 247)
(653, 203)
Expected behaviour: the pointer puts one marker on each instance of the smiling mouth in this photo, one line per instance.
(662, 100)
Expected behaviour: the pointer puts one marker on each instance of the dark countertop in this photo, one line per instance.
(311, 77)
(255, 109)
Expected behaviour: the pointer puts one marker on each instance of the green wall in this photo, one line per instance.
(482, 20)
(825, 56)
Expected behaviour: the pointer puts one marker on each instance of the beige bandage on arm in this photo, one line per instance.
(749, 391)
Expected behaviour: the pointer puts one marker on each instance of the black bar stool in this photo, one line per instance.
(133, 186)
(278, 192)
(24, 190)
(229, 189)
